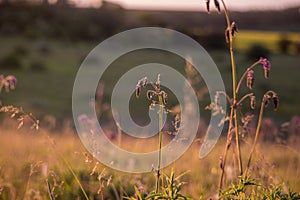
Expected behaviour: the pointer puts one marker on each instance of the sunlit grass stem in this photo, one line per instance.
(260, 117)
(160, 113)
(234, 91)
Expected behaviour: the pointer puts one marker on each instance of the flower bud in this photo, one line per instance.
(275, 101)
(234, 28)
(207, 6)
(250, 79)
(267, 100)
(252, 102)
(217, 5)
(266, 66)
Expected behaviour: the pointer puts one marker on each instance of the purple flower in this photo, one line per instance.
(100, 91)
(266, 65)
(11, 80)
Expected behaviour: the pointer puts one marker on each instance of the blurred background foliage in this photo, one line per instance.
(43, 44)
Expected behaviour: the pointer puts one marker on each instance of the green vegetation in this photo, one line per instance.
(261, 156)
(268, 39)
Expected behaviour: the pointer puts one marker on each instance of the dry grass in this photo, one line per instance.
(26, 158)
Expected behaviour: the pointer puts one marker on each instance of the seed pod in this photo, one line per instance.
(234, 28)
(138, 89)
(250, 79)
(150, 94)
(275, 101)
(165, 98)
(221, 162)
(252, 102)
(217, 5)
(207, 6)
(267, 100)
(158, 82)
(144, 82)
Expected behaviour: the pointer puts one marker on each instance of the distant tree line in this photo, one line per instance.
(63, 20)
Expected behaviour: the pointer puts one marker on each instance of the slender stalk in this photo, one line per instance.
(244, 75)
(67, 164)
(243, 98)
(234, 84)
(228, 143)
(50, 191)
(160, 113)
(261, 112)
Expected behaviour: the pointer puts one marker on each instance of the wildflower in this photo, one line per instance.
(12, 80)
(275, 101)
(221, 162)
(266, 65)
(9, 82)
(252, 102)
(158, 82)
(267, 100)
(100, 91)
(164, 97)
(144, 82)
(207, 6)
(250, 79)
(234, 28)
(138, 89)
(217, 5)
(150, 94)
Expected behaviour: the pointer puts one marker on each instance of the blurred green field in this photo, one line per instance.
(46, 76)
(268, 39)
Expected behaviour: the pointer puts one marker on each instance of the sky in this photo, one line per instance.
(194, 5)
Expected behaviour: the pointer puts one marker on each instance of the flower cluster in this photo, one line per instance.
(217, 5)
(156, 92)
(274, 99)
(8, 83)
(250, 73)
(231, 31)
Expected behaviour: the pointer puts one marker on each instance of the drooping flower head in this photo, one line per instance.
(266, 65)
(250, 79)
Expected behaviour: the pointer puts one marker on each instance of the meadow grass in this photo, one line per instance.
(20, 150)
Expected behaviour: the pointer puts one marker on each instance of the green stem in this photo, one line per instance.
(234, 84)
(160, 113)
(261, 112)
(228, 143)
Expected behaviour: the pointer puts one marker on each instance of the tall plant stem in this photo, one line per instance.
(261, 112)
(228, 143)
(160, 113)
(234, 84)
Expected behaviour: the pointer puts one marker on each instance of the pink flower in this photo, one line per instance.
(266, 65)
